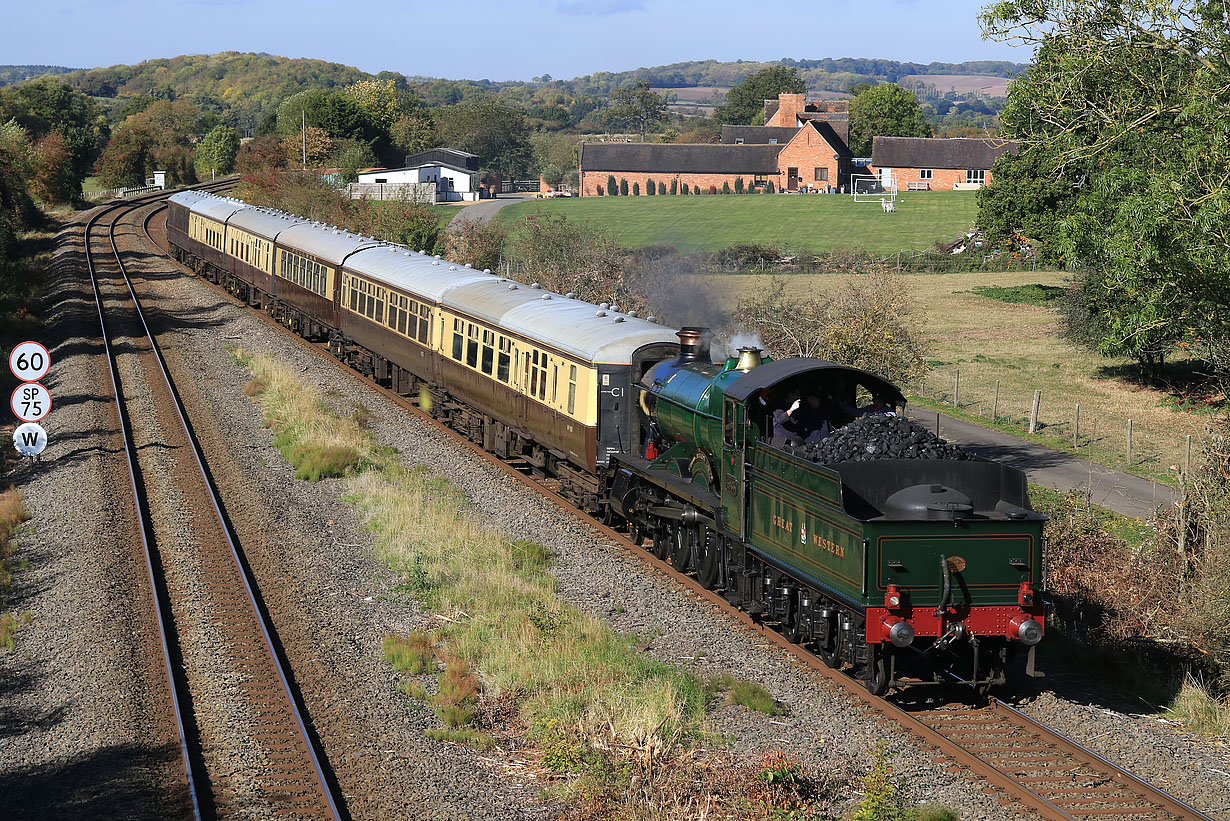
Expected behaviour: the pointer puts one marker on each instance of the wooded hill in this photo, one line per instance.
(242, 88)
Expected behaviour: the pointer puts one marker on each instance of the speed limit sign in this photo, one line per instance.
(30, 402)
(29, 361)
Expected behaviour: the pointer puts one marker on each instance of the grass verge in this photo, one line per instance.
(794, 223)
(12, 513)
(617, 726)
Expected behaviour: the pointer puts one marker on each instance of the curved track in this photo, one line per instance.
(1029, 766)
(245, 744)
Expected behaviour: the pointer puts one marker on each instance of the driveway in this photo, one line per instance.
(483, 210)
(1109, 488)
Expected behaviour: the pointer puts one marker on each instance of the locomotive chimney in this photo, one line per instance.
(748, 358)
(692, 345)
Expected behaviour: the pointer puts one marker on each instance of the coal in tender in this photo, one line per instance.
(880, 437)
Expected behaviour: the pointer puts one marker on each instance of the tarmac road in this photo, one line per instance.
(1109, 488)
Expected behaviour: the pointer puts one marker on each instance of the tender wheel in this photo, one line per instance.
(681, 553)
(709, 562)
(792, 623)
(662, 539)
(875, 677)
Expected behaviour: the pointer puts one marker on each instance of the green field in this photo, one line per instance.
(796, 222)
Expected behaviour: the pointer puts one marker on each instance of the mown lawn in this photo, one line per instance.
(796, 222)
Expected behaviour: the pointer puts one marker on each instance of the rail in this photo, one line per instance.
(284, 781)
(1145, 802)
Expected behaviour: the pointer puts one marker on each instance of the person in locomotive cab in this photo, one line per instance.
(877, 406)
(814, 418)
(785, 418)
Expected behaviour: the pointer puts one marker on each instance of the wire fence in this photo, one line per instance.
(1113, 439)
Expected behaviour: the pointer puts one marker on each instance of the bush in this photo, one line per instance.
(696, 190)
(738, 185)
(768, 187)
(650, 187)
(623, 188)
(661, 188)
(315, 462)
(601, 190)
(725, 187)
(611, 187)
(481, 244)
(674, 187)
(636, 189)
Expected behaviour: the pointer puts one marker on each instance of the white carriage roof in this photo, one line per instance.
(589, 332)
(209, 205)
(569, 325)
(330, 244)
(264, 222)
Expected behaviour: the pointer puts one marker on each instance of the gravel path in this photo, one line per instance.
(84, 728)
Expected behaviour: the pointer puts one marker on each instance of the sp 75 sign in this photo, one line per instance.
(30, 402)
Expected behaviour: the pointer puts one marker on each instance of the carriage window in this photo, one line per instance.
(555, 383)
(532, 372)
(458, 339)
(488, 351)
(501, 371)
(424, 327)
(572, 388)
(354, 297)
(401, 323)
(379, 304)
(542, 377)
(472, 347)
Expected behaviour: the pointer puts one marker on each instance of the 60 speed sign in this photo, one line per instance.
(29, 361)
(30, 402)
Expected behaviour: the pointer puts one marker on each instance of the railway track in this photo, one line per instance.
(1027, 765)
(245, 745)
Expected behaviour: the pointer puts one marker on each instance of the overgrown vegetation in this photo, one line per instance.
(12, 513)
(864, 323)
(1033, 294)
(619, 726)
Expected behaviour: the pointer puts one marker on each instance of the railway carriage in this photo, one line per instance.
(906, 569)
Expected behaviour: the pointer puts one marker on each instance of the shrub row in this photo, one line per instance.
(620, 188)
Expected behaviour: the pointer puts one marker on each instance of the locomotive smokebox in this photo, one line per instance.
(693, 345)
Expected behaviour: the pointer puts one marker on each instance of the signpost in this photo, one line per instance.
(31, 401)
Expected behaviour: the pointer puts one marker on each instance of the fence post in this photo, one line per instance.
(937, 423)
(1129, 442)
(1033, 412)
(956, 389)
(995, 404)
(1076, 426)
(1187, 458)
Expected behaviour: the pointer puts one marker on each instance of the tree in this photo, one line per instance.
(413, 132)
(481, 244)
(661, 188)
(16, 209)
(611, 187)
(349, 158)
(623, 188)
(865, 323)
(496, 132)
(48, 105)
(738, 185)
(745, 101)
(315, 142)
(53, 180)
(651, 187)
(1112, 85)
(378, 99)
(674, 186)
(159, 138)
(884, 110)
(637, 107)
(216, 152)
(569, 257)
(636, 189)
(261, 153)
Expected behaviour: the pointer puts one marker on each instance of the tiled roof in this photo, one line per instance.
(677, 158)
(929, 152)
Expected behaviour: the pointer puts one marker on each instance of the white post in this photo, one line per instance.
(1129, 442)
(956, 389)
(303, 133)
(1187, 459)
(1033, 413)
(995, 404)
(1076, 426)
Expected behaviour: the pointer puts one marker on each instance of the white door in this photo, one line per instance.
(886, 178)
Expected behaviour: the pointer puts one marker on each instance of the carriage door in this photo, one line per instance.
(734, 443)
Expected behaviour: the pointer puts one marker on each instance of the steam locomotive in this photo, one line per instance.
(909, 570)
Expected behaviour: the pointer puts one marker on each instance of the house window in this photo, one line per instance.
(738, 141)
(976, 175)
(822, 174)
(924, 173)
(773, 141)
(382, 181)
(760, 179)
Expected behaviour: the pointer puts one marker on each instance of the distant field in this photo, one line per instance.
(797, 222)
(1018, 346)
(964, 83)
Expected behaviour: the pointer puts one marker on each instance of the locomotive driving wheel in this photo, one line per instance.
(792, 621)
(875, 676)
(662, 540)
(709, 560)
(682, 549)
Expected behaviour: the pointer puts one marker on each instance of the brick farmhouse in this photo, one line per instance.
(812, 157)
(935, 164)
(801, 147)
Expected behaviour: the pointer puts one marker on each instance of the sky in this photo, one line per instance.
(488, 39)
